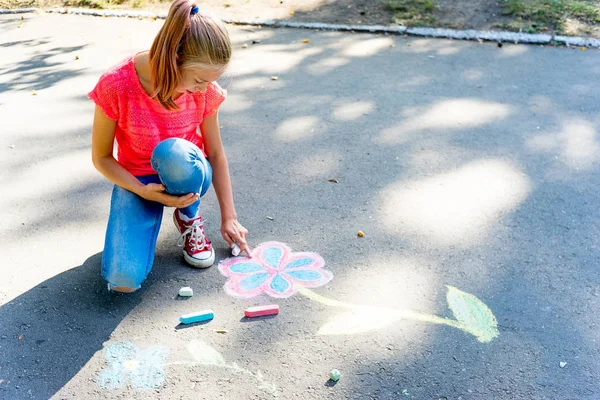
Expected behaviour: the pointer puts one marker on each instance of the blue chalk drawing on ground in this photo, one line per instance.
(127, 364)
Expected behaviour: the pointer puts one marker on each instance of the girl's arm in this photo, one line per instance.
(103, 137)
(231, 229)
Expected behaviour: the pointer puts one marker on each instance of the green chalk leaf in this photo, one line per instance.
(204, 354)
(476, 317)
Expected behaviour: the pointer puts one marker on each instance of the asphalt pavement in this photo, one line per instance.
(471, 169)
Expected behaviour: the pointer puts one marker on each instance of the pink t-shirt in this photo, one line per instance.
(142, 122)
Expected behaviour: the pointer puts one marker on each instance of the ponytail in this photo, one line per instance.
(187, 39)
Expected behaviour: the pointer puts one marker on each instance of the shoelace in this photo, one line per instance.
(196, 235)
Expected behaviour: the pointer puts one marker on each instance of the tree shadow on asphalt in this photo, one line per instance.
(26, 43)
(51, 331)
(10, 20)
(37, 72)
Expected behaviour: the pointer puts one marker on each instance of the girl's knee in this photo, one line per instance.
(175, 158)
(122, 274)
(120, 282)
(122, 289)
(175, 149)
(181, 166)
(163, 149)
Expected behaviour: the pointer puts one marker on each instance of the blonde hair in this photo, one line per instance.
(188, 39)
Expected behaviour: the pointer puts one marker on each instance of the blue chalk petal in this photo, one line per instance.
(306, 275)
(301, 262)
(150, 374)
(153, 355)
(120, 352)
(112, 378)
(279, 284)
(272, 256)
(149, 377)
(253, 281)
(246, 267)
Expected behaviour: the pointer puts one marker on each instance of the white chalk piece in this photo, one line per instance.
(186, 292)
(235, 250)
(335, 375)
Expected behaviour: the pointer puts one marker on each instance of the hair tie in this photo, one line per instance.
(195, 10)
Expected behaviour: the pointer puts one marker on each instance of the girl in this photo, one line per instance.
(161, 108)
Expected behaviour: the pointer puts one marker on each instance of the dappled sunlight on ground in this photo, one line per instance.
(449, 50)
(577, 144)
(320, 164)
(245, 35)
(326, 65)
(273, 59)
(445, 114)
(542, 105)
(414, 81)
(352, 111)
(514, 50)
(297, 128)
(436, 159)
(400, 283)
(456, 208)
(472, 74)
(365, 47)
(51, 176)
(281, 58)
(237, 102)
(434, 46)
(244, 84)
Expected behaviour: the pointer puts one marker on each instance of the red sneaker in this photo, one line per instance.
(197, 250)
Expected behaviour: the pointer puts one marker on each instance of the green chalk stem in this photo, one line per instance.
(472, 315)
(406, 314)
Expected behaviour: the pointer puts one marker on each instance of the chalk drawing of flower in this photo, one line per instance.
(143, 369)
(274, 270)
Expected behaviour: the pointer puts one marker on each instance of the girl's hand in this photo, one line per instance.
(234, 232)
(156, 192)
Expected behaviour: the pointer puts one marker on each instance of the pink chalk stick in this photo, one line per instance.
(260, 311)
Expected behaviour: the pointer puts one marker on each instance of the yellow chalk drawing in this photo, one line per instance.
(203, 354)
(131, 364)
(472, 316)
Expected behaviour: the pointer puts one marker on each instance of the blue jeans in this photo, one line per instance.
(134, 222)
